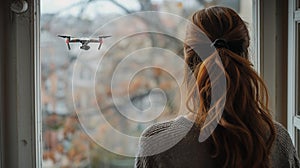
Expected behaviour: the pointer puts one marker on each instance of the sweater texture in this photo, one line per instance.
(175, 144)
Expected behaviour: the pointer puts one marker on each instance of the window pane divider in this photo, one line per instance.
(291, 85)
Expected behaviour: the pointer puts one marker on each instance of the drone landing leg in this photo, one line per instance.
(99, 46)
(68, 46)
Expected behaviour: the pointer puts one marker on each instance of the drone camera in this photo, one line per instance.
(85, 47)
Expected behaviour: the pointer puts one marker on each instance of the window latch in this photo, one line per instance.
(19, 6)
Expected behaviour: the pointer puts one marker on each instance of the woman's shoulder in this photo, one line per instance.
(163, 135)
(157, 128)
(170, 126)
(282, 138)
(280, 129)
(283, 151)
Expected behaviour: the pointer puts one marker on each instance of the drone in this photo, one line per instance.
(84, 41)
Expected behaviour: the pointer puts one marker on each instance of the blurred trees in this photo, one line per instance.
(64, 142)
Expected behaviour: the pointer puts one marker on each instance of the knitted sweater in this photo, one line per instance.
(174, 144)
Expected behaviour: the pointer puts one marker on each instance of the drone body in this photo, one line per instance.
(84, 41)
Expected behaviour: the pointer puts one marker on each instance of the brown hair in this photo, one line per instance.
(245, 131)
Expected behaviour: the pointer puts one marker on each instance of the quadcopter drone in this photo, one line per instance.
(84, 41)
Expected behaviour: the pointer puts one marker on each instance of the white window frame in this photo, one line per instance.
(256, 28)
(293, 67)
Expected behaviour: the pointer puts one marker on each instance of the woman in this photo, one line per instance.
(245, 135)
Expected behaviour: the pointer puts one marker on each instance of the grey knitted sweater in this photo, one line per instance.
(174, 144)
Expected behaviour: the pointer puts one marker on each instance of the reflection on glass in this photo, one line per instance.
(65, 143)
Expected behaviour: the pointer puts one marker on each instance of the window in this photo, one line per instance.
(293, 74)
(297, 90)
(68, 76)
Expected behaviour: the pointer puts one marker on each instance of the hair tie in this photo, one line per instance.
(220, 43)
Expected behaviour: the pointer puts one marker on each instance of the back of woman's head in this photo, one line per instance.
(245, 131)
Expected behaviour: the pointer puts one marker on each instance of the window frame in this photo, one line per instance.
(21, 75)
(293, 118)
(256, 28)
(20, 120)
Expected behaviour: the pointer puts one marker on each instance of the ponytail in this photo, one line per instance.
(245, 131)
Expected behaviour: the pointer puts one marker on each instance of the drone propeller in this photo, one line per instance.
(67, 41)
(64, 36)
(101, 41)
(104, 36)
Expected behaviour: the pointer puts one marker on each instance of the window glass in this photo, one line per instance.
(79, 83)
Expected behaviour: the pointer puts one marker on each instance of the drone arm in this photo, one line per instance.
(75, 41)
